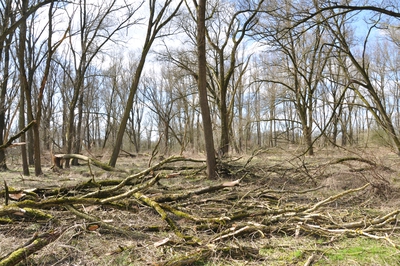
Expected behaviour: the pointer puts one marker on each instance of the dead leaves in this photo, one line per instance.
(16, 196)
(92, 227)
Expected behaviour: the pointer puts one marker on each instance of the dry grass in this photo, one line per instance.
(273, 170)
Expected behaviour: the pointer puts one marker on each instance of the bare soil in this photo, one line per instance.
(274, 207)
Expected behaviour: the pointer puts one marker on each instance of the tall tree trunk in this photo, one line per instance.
(310, 107)
(202, 85)
(78, 133)
(240, 107)
(30, 117)
(224, 112)
(4, 47)
(24, 86)
(71, 128)
(24, 157)
(36, 126)
(3, 163)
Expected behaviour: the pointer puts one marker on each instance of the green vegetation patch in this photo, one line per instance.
(280, 251)
(343, 251)
(361, 251)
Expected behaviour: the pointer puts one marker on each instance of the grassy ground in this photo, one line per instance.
(273, 179)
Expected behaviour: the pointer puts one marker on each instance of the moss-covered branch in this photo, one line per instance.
(33, 245)
(25, 213)
(141, 174)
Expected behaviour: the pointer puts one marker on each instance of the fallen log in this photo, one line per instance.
(27, 214)
(33, 245)
(90, 160)
(358, 159)
(161, 212)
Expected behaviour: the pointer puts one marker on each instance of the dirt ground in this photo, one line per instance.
(274, 207)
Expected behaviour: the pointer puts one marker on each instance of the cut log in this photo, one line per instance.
(104, 166)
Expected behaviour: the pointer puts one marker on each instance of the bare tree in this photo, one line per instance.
(159, 16)
(6, 19)
(202, 86)
(19, 17)
(393, 60)
(97, 27)
(24, 84)
(29, 60)
(160, 97)
(267, 98)
(225, 31)
(14, 15)
(50, 104)
(226, 28)
(361, 81)
(304, 59)
(112, 78)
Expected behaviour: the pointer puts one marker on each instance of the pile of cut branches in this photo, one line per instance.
(199, 216)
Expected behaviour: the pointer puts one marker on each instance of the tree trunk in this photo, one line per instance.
(202, 86)
(36, 126)
(24, 87)
(78, 133)
(24, 157)
(6, 49)
(223, 109)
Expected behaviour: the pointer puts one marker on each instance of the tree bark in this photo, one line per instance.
(24, 87)
(202, 86)
(4, 47)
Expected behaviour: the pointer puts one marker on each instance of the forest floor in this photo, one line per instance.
(270, 208)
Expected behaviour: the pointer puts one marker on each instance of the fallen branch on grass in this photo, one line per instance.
(185, 195)
(208, 217)
(33, 245)
(90, 160)
(25, 213)
(140, 175)
(102, 224)
(202, 254)
(335, 197)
